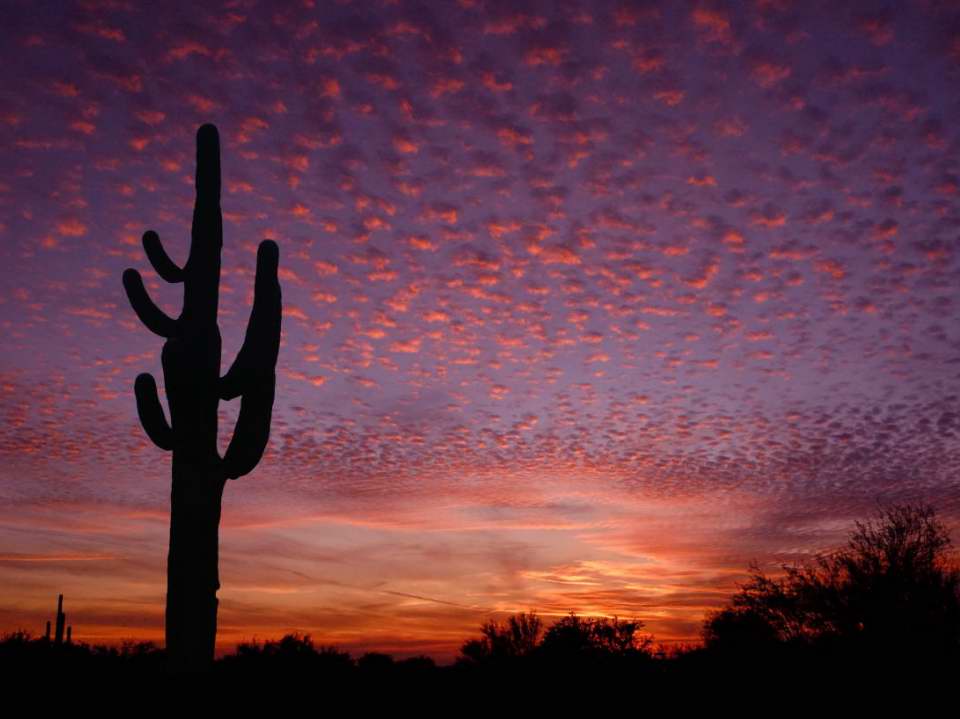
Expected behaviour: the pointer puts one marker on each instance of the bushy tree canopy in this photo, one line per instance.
(594, 636)
(517, 637)
(572, 638)
(892, 586)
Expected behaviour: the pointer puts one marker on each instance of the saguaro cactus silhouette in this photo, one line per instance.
(194, 388)
(61, 620)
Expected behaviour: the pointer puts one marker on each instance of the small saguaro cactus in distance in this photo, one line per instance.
(194, 388)
(61, 620)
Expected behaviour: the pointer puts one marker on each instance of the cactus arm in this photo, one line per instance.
(253, 373)
(252, 432)
(151, 413)
(261, 343)
(165, 267)
(231, 384)
(152, 316)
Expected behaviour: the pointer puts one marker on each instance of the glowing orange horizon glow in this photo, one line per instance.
(586, 304)
(417, 578)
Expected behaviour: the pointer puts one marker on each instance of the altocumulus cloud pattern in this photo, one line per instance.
(585, 304)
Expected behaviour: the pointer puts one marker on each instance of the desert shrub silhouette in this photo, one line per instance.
(23, 655)
(291, 654)
(595, 641)
(194, 388)
(518, 636)
(522, 642)
(891, 594)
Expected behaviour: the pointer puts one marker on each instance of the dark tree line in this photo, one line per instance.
(573, 640)
(887, 601)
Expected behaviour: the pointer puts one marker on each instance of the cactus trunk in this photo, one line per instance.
(61, 620)
(192, 567)
(194, 388)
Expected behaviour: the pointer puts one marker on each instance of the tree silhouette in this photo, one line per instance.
(194, 388)
(571, 641)
(891, 589)
(594, 638)
(517, 637)
(291, 654)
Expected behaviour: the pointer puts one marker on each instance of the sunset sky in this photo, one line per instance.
(586, 304)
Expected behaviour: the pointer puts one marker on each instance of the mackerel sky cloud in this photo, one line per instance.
(586, 304)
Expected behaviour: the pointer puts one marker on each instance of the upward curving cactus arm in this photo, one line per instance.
(252, 374)
(252, 432)
(151, 412)
(152, 316)
(165, 267)
(261, 343)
